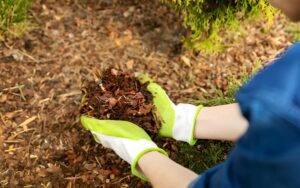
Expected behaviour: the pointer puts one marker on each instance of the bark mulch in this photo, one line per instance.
(118, 95)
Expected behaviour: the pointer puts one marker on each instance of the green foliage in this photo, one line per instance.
(207, 18)
(204, 155)
(294, 30)
(13, 16)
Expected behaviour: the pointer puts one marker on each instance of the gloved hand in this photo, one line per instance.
(178, 121)
(128, 140)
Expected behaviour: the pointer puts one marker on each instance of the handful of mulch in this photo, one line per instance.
(119, 95)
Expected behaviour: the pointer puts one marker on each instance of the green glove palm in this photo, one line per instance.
(128, 140)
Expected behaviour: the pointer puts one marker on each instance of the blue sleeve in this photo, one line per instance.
(268, 155)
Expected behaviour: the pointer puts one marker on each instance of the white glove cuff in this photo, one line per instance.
(183, 129)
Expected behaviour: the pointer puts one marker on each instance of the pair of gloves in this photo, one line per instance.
(131, 142)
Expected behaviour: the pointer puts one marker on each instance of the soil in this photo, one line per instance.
(118, 95)
(42, 143)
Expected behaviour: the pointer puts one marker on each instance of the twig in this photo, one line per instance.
(12, 88)
(98, 161)
(2, 119)
(73, 178)
(19, 87)
(36, 17)
(29, 56)
(12, 149)
(7, 46)
(27, 186)
(18, 133)
(5, 172)
(28, 149)
(10, 115)
(21, 93)
(22, 52)
(27, 121)
(12, 141)
(72, 93)
(79, 42)
(120, 180)
(43, 100)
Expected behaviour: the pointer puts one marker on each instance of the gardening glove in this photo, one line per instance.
(178, 121)
(128, 140)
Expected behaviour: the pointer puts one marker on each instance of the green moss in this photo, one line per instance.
(208, 18)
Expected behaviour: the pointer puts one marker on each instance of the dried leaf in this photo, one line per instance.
(112, 102)
(139, 95)
(114, 72)
(104, 172)
(3, 98)
(186, 60)
(90, 166)
(53, 169)
(129, 64)
(42, 172)
(116, 171)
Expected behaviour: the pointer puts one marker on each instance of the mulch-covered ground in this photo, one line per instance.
(42, 143)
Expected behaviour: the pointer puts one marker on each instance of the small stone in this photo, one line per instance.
(112, 176)
(17, 55)
(129, 12)
(101, 178)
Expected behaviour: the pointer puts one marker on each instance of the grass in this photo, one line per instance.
(294, 30)
(208, 153)
(204, 155)
(13, 17)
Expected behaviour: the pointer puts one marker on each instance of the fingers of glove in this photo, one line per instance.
(153, 87)
(164, 105)
(116, 144)
(165, 108)
(116, 128)
(144, 78)
(96, 138)
(159, 94)
(106, 141)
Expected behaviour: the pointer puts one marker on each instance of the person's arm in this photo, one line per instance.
(223, 122)
(163, 172)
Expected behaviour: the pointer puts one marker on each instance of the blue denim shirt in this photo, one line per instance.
(268, 154)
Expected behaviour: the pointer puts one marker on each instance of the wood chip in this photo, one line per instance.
(28, 121)
(70, 94)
